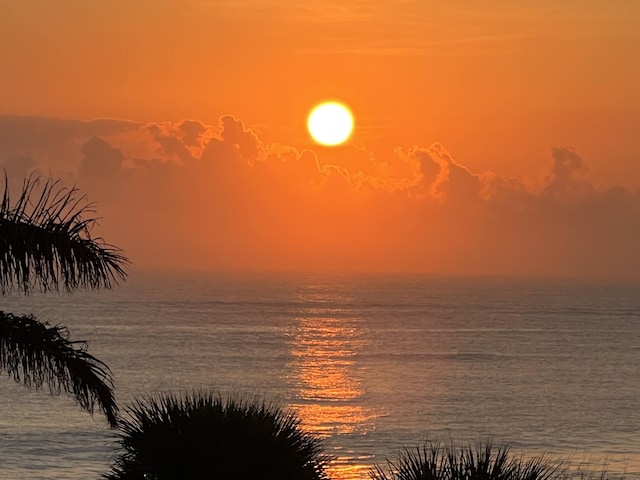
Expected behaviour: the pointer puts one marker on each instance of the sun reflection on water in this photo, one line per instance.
(327, 379)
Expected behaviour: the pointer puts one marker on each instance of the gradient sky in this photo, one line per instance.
(493, 136)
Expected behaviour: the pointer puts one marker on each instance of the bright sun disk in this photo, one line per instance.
(330, 123)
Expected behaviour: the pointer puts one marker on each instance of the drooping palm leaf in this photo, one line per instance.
(45, 241)
(35, 353)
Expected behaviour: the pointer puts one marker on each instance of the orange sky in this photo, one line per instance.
(491, 136)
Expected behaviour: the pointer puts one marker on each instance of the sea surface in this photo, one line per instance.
(369, 363)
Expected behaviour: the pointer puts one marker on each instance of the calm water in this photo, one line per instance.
(369, 363)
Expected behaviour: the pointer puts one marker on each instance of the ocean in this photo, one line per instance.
(370, 363)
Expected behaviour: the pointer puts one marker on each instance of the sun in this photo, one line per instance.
(330, 123)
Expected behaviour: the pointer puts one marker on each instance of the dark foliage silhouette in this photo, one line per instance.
(482, 461)
(45, 245)
(36, 353)
(203, 435)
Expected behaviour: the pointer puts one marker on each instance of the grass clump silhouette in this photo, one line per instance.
(204, 435)
(480, 461)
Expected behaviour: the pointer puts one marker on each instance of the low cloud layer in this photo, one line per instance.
(190, 195)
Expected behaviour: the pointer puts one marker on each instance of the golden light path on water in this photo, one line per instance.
(328, 380)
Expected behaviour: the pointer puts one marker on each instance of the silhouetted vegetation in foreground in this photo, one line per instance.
(479, 461)
(204, 435)
(46, 245)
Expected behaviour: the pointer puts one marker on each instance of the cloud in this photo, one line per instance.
(235, 134)
(52, 143)
(183, 141)
(567, 179)
(100, 159)
(191, 195)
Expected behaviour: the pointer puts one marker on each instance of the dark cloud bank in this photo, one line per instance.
(190, 195)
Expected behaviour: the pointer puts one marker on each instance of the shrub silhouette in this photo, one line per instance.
(203, 435)
(483, 461)
(480, 461)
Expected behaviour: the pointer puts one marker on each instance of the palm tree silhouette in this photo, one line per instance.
(45, 245)
(202, 434)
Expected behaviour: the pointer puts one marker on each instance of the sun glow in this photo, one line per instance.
(330, 123)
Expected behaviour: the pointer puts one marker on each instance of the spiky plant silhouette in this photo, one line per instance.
(46, 245)
(482, 461)
(204, 435)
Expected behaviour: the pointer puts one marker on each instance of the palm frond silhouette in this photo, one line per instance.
(46, 245)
